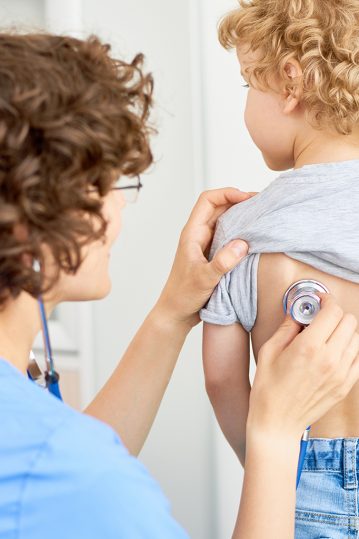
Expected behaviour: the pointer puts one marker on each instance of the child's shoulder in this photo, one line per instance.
(330, 190)
(248, 211)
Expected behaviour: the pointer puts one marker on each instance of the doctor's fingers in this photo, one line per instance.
(211, 204)
(351, 353)
(325, 322)
(348, 369)
(343, 333)
(226, 259)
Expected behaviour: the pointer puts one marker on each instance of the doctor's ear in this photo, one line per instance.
(291, 86)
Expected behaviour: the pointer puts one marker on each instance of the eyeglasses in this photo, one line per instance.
(131, 188)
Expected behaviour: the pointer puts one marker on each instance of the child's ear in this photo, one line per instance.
(293, 95)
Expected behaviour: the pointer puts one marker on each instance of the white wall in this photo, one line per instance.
(178, 452)
(25, 14)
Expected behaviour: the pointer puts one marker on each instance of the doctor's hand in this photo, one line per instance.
(192, 278)
(300, 376)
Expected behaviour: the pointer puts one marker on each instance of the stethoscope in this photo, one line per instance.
(301, 300)
(50, 378)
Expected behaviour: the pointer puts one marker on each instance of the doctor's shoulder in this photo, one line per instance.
(84, 483)
(66, 474)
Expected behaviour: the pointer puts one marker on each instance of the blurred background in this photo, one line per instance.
(202, 143)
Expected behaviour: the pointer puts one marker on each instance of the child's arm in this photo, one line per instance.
(226, 367)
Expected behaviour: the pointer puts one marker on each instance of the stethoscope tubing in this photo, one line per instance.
(302, 453)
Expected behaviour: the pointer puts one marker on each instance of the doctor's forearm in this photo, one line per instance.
(130, 399)
(267, 507)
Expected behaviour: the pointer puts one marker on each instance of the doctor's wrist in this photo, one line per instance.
(261, 432)
(168, 320)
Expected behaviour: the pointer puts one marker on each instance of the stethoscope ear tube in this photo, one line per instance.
(301, 300)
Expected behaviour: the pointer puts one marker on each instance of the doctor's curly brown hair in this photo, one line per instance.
(72, 120)
(322, 35)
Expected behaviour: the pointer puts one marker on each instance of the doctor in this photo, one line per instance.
(72, 121)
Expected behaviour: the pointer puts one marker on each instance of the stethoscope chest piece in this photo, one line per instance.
(301, 300)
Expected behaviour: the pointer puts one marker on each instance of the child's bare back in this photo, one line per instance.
(276, 272)
(226, 351)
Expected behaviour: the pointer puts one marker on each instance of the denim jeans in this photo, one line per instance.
(327, 495)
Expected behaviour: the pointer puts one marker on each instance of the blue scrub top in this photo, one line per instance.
(66, 475)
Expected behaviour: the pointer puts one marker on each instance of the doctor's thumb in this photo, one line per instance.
(228, 258)
(285, 334)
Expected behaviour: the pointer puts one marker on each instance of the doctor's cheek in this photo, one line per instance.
(112, 212)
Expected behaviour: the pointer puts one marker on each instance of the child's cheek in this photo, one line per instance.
(248, 114)
(254, 117)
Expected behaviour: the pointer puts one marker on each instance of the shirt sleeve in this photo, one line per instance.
(85, 484)
(219, 309)
(234, 300)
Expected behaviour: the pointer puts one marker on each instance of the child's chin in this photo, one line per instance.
(276, 165)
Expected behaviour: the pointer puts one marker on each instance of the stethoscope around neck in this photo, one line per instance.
(48, 379)
(301, 300)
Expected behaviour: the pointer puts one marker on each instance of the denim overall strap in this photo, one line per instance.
(350, 460)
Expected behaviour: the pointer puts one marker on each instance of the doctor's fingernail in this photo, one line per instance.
(240, 248)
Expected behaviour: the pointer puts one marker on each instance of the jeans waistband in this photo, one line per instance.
(334, 455)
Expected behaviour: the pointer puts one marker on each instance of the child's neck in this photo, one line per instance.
(325, 148)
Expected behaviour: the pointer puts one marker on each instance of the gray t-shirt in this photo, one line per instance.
(311, 214)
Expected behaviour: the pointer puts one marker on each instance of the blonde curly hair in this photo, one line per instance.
(322, 35)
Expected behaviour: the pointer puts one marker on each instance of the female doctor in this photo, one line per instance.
(73, 121)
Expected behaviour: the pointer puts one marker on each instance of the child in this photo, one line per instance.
(300, 59)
